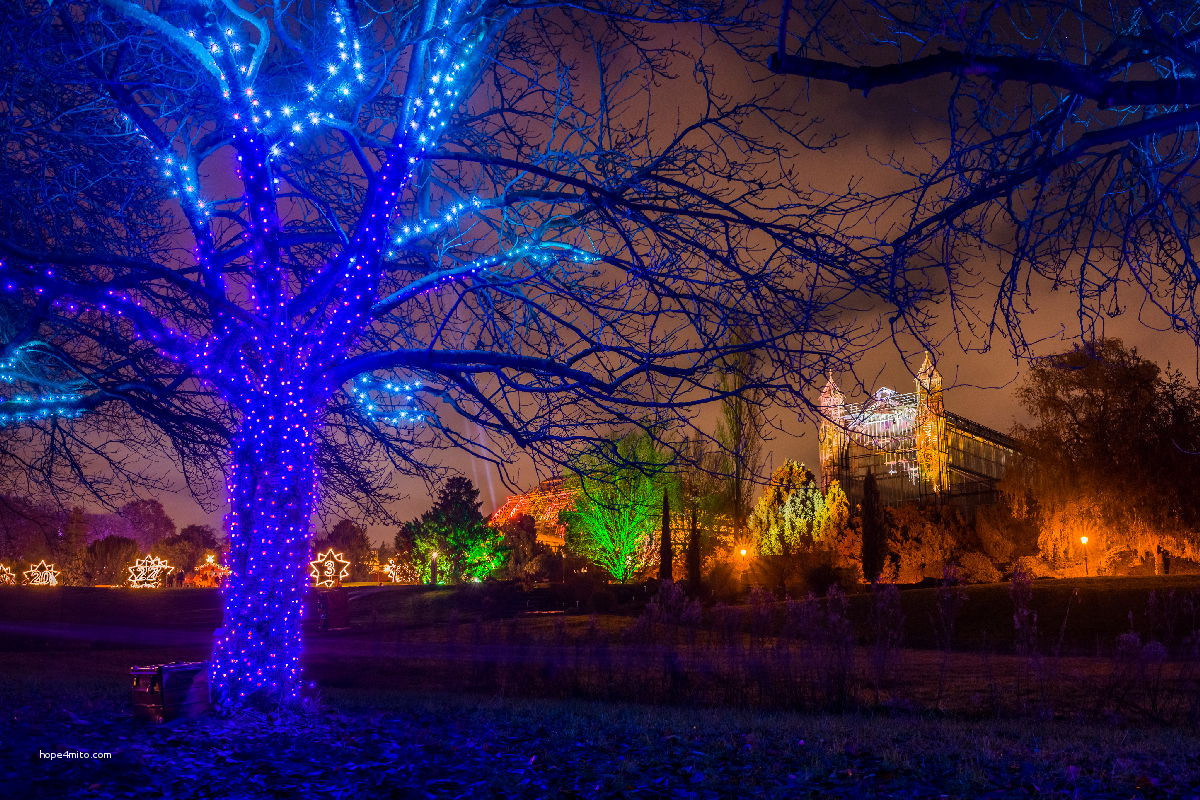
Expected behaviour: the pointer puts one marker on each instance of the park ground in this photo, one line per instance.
(440, 693)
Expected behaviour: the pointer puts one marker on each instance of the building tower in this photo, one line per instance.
(831, 434)
(930, 424)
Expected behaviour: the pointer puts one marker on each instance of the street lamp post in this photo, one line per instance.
(1084, 540)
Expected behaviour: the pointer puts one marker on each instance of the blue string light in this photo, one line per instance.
(397, 405)
(52, 399)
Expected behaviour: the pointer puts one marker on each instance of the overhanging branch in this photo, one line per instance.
(1075, 78)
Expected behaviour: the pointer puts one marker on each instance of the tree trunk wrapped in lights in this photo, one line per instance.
(299, 248)
(272, 487)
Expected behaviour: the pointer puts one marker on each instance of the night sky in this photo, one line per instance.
(980, 385)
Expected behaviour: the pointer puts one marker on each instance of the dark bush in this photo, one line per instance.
(602, 601)
(724, 584)
(819, 578)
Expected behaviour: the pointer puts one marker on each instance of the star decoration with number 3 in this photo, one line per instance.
(148, 572)
(41, 574)
(325, 571)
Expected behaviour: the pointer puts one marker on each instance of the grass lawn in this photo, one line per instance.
(1081, 615)
(497, 640)
(388, 743)
(436, 693)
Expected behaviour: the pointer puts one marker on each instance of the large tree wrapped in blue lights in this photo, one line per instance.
(299, 245)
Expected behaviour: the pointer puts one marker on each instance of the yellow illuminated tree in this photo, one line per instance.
(838, 534)
(790, 515)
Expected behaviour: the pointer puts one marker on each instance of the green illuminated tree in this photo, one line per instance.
(466, 547)
(619, 506)
(413, 564)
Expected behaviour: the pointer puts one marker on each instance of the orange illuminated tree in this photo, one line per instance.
(1110, 455)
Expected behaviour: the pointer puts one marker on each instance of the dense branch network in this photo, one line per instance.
(311, 242)
(432, 213)
(1069, 149)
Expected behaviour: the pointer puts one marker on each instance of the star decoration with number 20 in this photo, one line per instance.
(41, 574)
(325, 571)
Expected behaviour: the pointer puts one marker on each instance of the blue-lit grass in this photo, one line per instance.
(492, 708)
(387, 742)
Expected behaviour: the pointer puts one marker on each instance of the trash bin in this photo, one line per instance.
(163, 692)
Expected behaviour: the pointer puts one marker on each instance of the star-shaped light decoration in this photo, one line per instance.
(325, 570)
(41, 574)
(148, 573)
(210, 563)
(7, 576)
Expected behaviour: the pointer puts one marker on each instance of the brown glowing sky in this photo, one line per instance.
(980, 385)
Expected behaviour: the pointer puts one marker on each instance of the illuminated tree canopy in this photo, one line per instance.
(619, 506)
(1110, 454)
(455, 529)
(790, 515)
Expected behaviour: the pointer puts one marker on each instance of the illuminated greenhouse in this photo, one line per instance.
(917, 450)
(544, 503)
